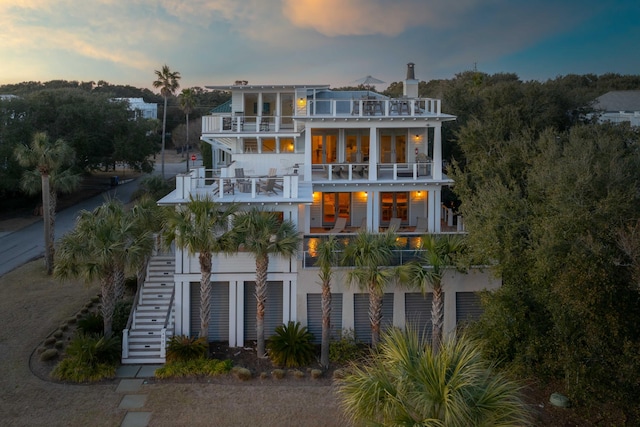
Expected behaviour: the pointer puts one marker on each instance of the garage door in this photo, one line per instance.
(418, 311)
(272, 312)
(314, 316)
(361, 315)
(468, 307)
(219, 319)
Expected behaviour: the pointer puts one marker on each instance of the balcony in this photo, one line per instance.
(361, 171)
(364, 108)
(251, 189)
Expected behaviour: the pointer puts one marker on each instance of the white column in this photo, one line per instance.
(431, 211)
(233, 289)
(374, 208)
(238, 310)
(307, 155)
(437, 151)
(373, 154)
(437, 208)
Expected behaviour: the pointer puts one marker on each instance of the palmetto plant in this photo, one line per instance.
(291, 346)
(187, 101)
(102, 245)
(371, 255)
(438, 255)
(406, 383)
(201, 227)
(167, 82)
(262, 234)
(50, 174)
(328, 256)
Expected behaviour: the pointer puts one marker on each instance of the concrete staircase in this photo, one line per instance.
(152, 320)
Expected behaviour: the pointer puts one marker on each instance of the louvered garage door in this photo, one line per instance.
(361, 315)
(314, 316)
(468, 307)
(219, 319)
(417, 309)
(272, 312)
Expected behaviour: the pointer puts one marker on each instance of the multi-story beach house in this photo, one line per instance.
(331, 162)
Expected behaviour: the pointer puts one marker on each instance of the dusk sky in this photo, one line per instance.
(335, 42)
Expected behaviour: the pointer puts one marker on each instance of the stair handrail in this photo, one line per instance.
(125, 331)
(163, 332)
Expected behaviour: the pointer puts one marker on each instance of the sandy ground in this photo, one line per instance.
(33, 305)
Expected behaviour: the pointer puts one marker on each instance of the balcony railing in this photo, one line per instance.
(360, 171)
(234, 123)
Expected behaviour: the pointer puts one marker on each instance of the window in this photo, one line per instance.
(286, 145)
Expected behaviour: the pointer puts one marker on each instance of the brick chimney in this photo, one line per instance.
(410, 89)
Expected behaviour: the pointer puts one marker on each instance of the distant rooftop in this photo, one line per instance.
(619, 100)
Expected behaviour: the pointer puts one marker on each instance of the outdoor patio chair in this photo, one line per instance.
(339, 225)
(421, 225)
(394, 224)
(268, 186)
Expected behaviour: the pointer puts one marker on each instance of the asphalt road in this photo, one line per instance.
(27, 244)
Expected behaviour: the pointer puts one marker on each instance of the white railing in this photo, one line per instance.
(168, 320)
(233, 124)
(285, 187)
(361, 171)
(364, 107)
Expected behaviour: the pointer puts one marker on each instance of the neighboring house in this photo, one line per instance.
(141, 109)
(339, 161)
(619, 106)
(6, 97)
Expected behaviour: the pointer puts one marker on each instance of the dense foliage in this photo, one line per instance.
(407, 383)
(183, 348)
(291, 346)
(550, 208)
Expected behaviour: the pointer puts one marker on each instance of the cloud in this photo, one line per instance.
(371, 17)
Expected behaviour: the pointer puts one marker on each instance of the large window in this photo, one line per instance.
(357, 146)
(324, 146)
(394, 205)
(393, 146)
(335, 205)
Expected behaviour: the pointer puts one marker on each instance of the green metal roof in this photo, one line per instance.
(222, 108)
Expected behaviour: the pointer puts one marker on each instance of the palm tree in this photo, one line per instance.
(50, 175)
(327, 254)
(187, 103)
(406, 383)
(437, 256)
(148, 217)
(371, 255)
(201, 227)
(262, 234)
(103, 243)
(167, 81)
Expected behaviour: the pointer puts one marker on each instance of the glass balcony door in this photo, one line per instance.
(394, 205)
(335, 205)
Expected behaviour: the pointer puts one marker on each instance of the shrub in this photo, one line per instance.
(298, 373)
(242, 374)
(292, 345)
(50, 341)
(184, 348)
(59, 344)
(71, 370)
(91, 349)
(194, 367)
(92, 323)
(346, 349)
(121, 316)
(316, 373)
(49, 354)
(278, 374)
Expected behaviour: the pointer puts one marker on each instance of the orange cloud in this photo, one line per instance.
(357, 17)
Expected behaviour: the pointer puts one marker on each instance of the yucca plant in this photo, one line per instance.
(183, 348)
(407, 383)
(291, 346)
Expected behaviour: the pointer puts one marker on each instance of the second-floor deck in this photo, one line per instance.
(403, 109)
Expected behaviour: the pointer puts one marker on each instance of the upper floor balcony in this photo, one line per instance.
(367, 108)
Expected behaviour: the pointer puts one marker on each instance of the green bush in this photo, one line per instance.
(121, 316)
(92, 323)
(242, 374)
(49, 354)
(194, 367)
(91, 349)
(346, 349)
(71, 370)
(278, 374)
(182, 348)
(291, 346)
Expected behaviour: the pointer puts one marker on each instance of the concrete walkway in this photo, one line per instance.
(132, 377)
